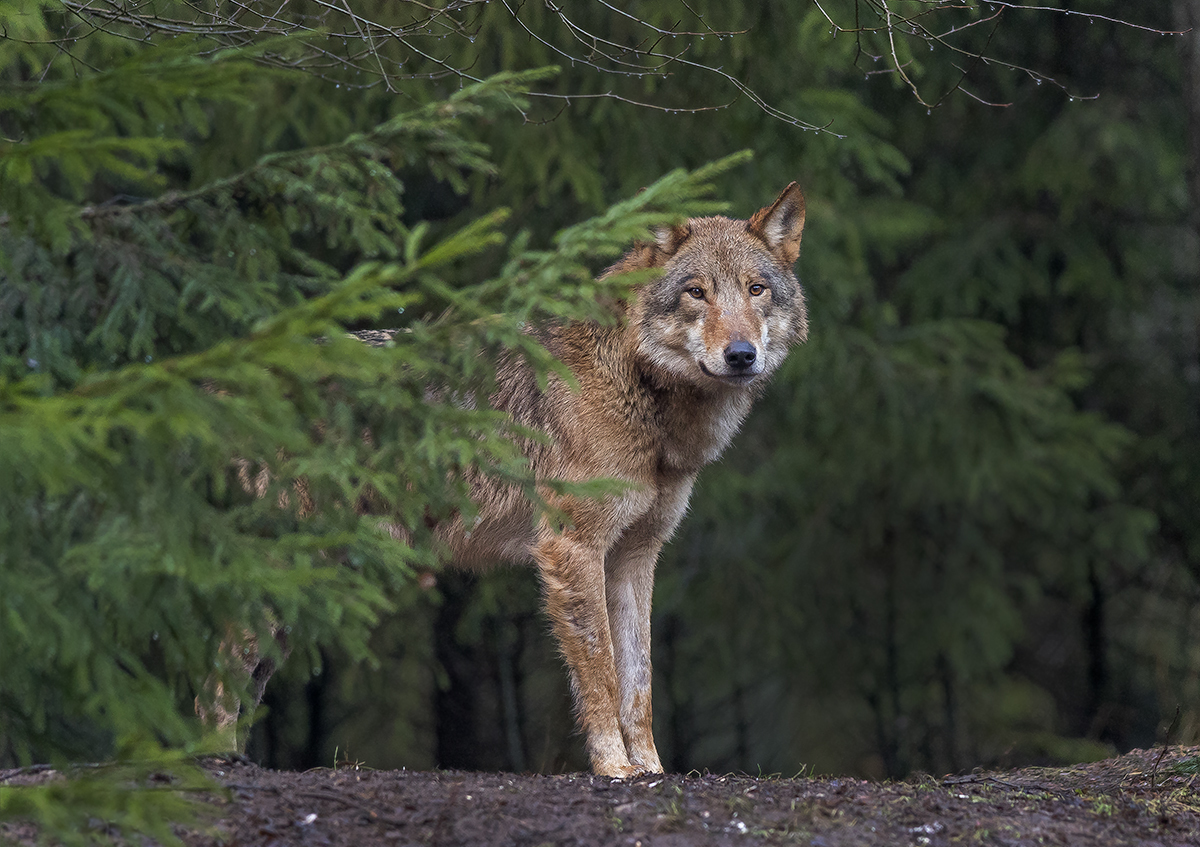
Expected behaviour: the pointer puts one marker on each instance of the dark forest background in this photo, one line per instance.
(959, 530)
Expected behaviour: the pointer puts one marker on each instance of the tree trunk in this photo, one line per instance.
(1097, 649)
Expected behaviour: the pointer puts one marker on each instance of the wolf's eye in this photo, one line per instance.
(697, 292)
(757, 289)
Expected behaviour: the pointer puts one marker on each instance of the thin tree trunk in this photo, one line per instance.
(1097, 648)
(741, 727)
(507, 656)
(314, 693)
(893, 752)
(949, 713)
(678, 737)
(457, 742)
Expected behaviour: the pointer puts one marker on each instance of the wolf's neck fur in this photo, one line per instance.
(634, 420)
(693, 422)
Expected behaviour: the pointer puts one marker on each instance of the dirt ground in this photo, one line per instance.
(1134, 799)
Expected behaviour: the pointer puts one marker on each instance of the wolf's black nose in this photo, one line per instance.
(740, 355)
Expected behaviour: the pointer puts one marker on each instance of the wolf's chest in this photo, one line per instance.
(695, 431)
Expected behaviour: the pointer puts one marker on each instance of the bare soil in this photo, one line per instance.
(1135, 799)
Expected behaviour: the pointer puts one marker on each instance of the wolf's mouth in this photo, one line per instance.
(731, 379)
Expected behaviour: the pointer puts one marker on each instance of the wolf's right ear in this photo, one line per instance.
(781, 224)
(669, 239)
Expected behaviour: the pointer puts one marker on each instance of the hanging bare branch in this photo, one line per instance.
(366, 45)
(892, 30)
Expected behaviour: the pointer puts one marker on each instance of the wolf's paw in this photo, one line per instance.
(628, 771)
(622, 769)
(647, 763)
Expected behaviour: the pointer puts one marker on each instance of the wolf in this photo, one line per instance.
(656, 396)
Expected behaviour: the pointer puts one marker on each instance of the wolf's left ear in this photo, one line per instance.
(781, 224)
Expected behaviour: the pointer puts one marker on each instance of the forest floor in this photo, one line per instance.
(1146, 797)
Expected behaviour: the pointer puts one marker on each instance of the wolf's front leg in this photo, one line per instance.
(572, 571)
(629, 587)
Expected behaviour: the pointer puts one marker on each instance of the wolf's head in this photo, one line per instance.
(727, 306)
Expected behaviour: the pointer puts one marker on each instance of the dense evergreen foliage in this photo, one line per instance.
(958, 530)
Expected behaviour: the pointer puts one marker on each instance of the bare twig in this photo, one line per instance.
(328, 796)
(899, 30)
(1091, 16)
(1163, 751)
(334, 40)
(980, 779)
